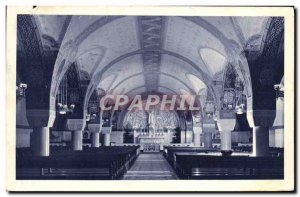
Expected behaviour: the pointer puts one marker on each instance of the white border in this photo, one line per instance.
(198, 185)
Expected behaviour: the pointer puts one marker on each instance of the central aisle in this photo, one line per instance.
(150, 166)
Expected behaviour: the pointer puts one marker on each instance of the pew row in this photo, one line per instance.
(198, 163)
(105, 163)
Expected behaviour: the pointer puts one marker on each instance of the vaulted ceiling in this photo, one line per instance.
(166, 54)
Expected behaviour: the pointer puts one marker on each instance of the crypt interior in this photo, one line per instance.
(66, 64)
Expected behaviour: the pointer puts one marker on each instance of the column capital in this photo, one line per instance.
(263, 118)
(106, 130)
(95, 128)
(40, 117)
(75, 124)
(226, 124)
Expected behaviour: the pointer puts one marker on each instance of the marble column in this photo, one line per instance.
(95, 130)
(106, 131)
(134, 136)
(261, 121)
(76, 126)
(197, 135)
(260, 141)
(272, 137)
(95, 140)
(106, 139)
(40, 120)
(77, 140)
(225, 140)
(41, 141)
(279, 138)
(278, 125)
(208, 131)
(207, 139)
(226, 126)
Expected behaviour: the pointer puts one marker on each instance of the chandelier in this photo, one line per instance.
(90, 117)
(62, 98)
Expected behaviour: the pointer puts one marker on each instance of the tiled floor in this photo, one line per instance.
(150, 166)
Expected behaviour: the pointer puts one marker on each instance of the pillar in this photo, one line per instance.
(106, 139)
(261, 121)
(40, 120)
(279, 138)
(95, 130)
(207, 139)
(76, 126)
(197, 139)
(278, 125)
(95, 139)
(225, 127)
(41, 141)
(197, 135)
(208, 129)
(134, 136)
(77, 140)
(272, 137)
(225, 140)
(106, 131)
(260, 139)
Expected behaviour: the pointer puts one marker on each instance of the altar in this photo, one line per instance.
(153, 130)
(151, 143)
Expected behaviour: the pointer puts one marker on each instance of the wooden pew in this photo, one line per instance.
(193, 166)
(91, 163)
(170, 151)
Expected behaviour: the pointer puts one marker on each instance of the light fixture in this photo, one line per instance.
(62, 98)
(21, 90)
(90, 117)
(240, 109)
(279, 90)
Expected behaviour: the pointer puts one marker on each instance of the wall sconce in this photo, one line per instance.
(279, 91)
(21, 90)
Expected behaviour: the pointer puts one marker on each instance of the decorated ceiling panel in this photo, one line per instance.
(167, 90)
(78, 24)
(186, 38)
(126, 68)
(114, 39)
(198, 85)
(52, 29)
(225, 25)
(176, 67)
(213, 60)
(106, 83)
(131, 83)
(252, 27)
(172, 83)
(135, 91)
(89, 60)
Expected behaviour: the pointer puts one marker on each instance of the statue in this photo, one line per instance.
(151, 123)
